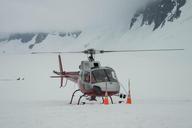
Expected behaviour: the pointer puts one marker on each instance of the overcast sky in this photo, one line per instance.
(43, 15)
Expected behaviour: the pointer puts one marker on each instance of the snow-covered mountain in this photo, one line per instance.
(155, 14)
(33, 38)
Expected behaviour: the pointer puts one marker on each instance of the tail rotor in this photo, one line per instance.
(61, 73)
(61, 70)
(60, 63)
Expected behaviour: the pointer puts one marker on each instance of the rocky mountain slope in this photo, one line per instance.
(39, 37)
(158, 13)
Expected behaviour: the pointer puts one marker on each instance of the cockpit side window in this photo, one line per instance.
(99, 75)
(103, 75)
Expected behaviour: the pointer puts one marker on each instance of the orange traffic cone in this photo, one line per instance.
(105, 100)
(129, 101)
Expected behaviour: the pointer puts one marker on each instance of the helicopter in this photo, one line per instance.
(93, 79)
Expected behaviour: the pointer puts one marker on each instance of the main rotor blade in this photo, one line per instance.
(93, 51)
(145, 50)
(55, 52)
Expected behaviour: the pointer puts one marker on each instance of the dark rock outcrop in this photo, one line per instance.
(40, 38)
(158, 12)
(74, 34)
(24, 37)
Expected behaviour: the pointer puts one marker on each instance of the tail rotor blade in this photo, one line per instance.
(61, 69)
(60, 64)
(61, 82)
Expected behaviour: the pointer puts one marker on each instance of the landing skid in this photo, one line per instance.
(84, 95)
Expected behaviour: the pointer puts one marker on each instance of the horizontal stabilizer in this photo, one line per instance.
(58, 76)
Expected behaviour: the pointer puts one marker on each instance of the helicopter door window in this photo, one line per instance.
(93, 78)
(87, 77)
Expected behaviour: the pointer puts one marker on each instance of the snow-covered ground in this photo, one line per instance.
(38, 102)
(59, 114)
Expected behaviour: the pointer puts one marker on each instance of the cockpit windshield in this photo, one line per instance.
(103, 75)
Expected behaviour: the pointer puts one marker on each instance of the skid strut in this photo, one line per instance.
(80, 98)
(111, 99)
(73, 95)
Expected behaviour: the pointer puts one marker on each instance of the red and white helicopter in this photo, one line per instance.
(93, 79)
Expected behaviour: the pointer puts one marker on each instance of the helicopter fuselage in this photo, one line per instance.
(92, 79)
(98, 80)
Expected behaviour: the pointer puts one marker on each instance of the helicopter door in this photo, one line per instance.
(86, 80)
(86, 77)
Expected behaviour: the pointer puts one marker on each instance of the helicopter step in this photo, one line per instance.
(91, 98)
